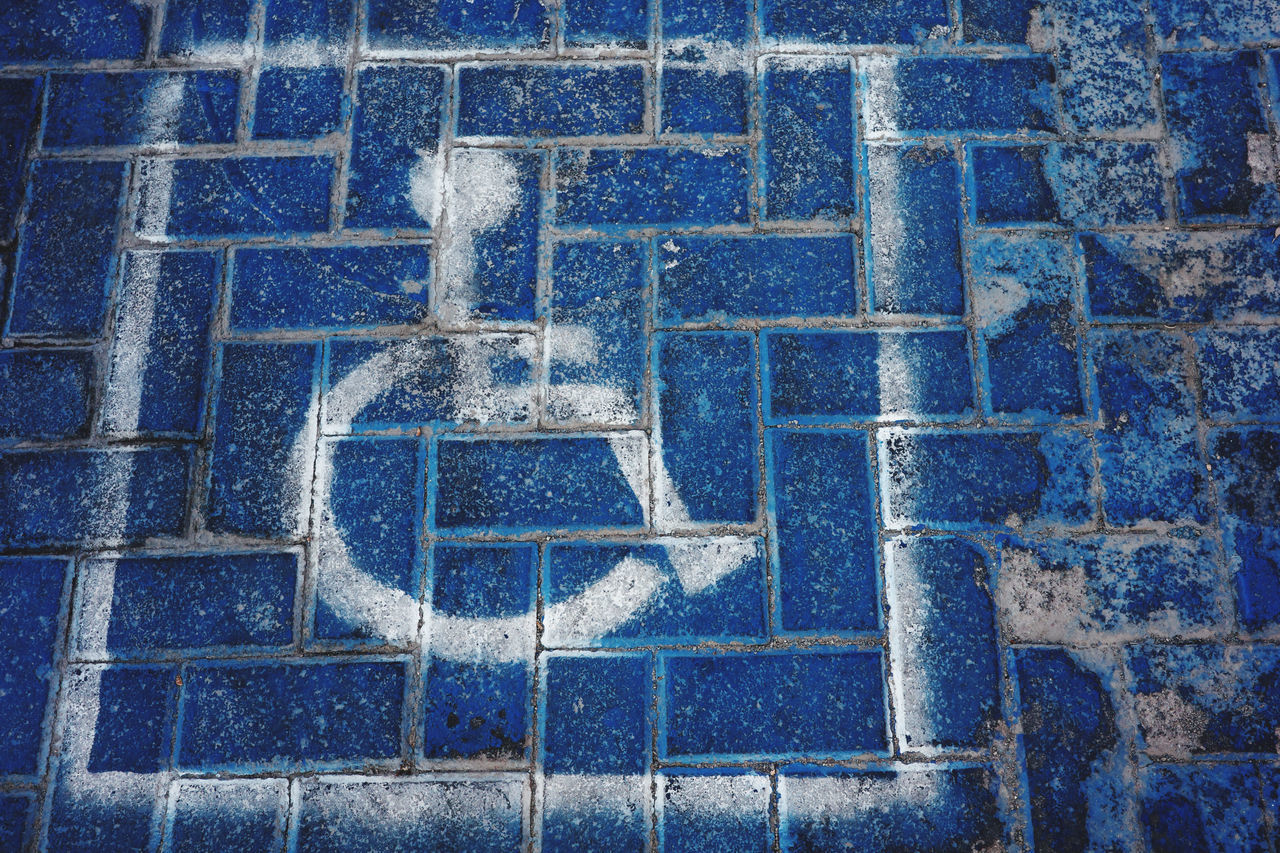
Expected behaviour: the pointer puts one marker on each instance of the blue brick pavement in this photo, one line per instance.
(768, 425)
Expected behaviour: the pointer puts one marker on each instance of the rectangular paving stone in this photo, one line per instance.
(1104, 73)
(807, 157)
(689, 823)
(1242, 460)
(942, 644)
(195, 29)
(329, 288)
(538, 483)
(1009, 187)
(651, 186)
(1024, 302)
(44, 394)
(456, 25)
(706, 389)
(541, 101)
(1239, 372)
(701, 99)
(880, 809)
(850, 22)
(298, 103)
(1201, 23)
(259, 467)
(1150, 460)
(31, 599)
(827, 377)
(608, 23)
(235, 197)
(310, 715)
(294, 31)
(696, 19)
(913, 222)
(772, 704)
(92, 495)
(71, 30)
(926, 95)
(597, 713)
(138, 607)
(1202, 807)
(134, 732)
(65, 259)
(1226, 160)
(141, 108)
(724, 279)
(19, 112)
(976, 480)
(822, 514)
(998, 21)
(395, 129)
(605, 812)
(239, 814)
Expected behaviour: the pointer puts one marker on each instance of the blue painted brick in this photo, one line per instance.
(1009, 186)
(1150, 461)
(582, 99)
(723, 20)
(65, 259)
(680, 609)
(807, 163)
(193, 28)
(1239, 372)
(141, 107)
(298, 103)
(479, 708)
(913, 219)
(236, 197)
(608, 813)
(177, 291)
(1250, 520)
(19, 111)
(457, 24)
(942, 641)
(134, 731)
(880, 810)
(851, 22)
(997, 21)
(1070, 739)
(30, 601)
(66, 497)
(926, 94)
(612, 23)
(839, 376)
(15, 811)
(397, 123)
(981, 480)
(706, 388)
(724, 279)
(540, 483)
(808, 703)
(430, 380)
(376, 504)
(596, 347)
(210, 815)
(448, 814)
(822, 511)
(1104, 74)
(1024, 309)
(296, 30)
(597, 715)
(606, 186)
(1206, 699)
(243, 600)
(298, 715)
(1217, 123)
(707, 102)
(687, 825)
(71, 30)
(1201, 23)
(44, 394)
(329, 288)
(1215, 808)
(257, 480)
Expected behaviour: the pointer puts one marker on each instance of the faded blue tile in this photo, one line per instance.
(1213, 808)
(689, 824)
(141, 108)
(528, 100)
(539, 483)
(913, 219)
(397, 124)
(827, 377)
(260, 456)
(703, 101)
(30, 601)
(295, 31)
(807, 157)
(998, 21)
(1239, 372)
(852, 22)
(93, 495)
(65, 258)
(329, 288)
(134, 731)
(19, 112)
(705, 383)
(44, 394)
(597, 713)
(772, 703)
(15, 811)
(611, 23)
(822, 511)
(1104, 73)
(942, 644)
(616, 187)
(1009, 186)
(296, 715)
(71, 30)
(206, 816)
(606, 813)
(724, 20)
(1243, 461)
(1148, 446)
(724, 279)
(298, 103)
(459, 25)
(196, 29)
(1202, 23)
